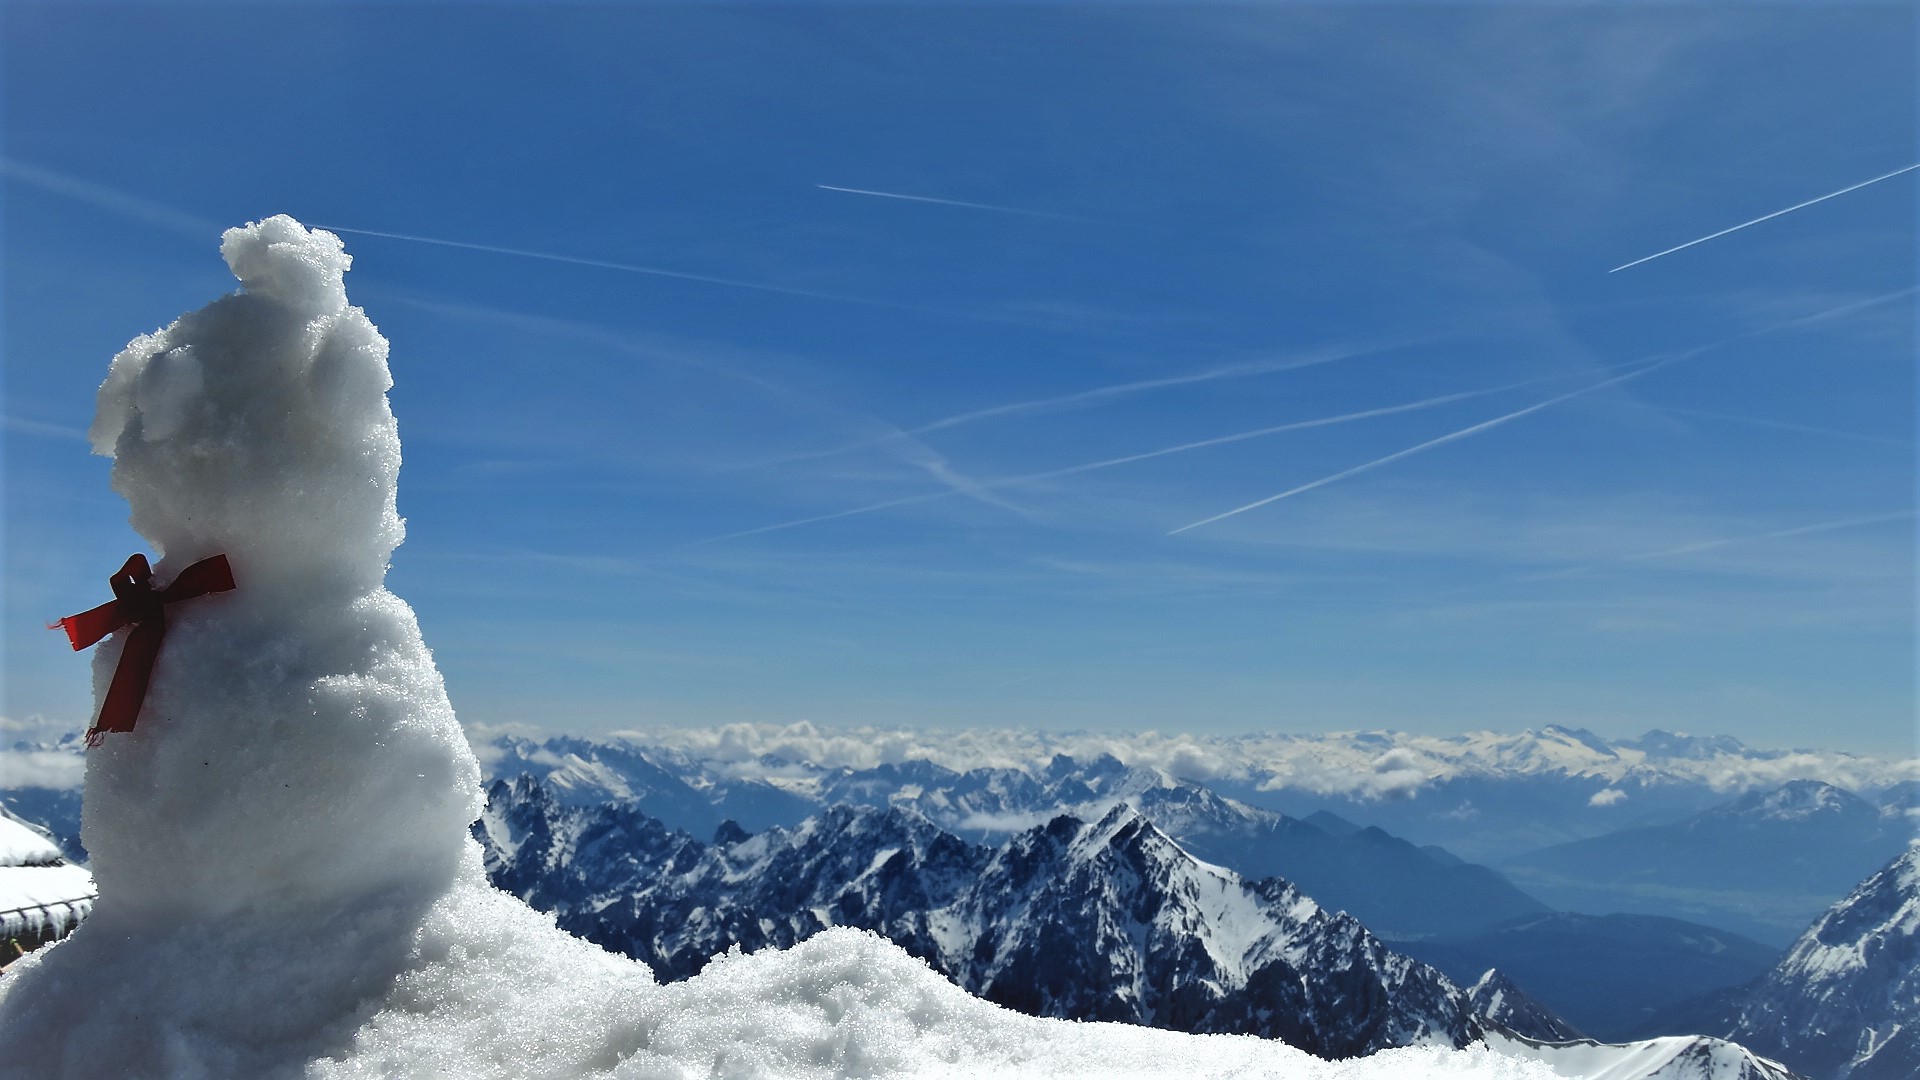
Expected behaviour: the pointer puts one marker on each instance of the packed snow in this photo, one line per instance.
(287, 887)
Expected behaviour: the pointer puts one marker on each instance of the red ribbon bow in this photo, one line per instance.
(136, 602)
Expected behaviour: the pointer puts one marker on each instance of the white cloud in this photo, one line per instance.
(1608, 797)
(61, 770)
(1368, 765)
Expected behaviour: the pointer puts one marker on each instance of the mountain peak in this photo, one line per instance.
(1496, 997)
(1798, 800)
(1845, 999)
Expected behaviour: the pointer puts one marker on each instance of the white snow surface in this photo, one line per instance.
(1673, 1057)
(21, 846)
(287, 888)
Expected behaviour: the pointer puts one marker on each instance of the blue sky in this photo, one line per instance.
(764, 450)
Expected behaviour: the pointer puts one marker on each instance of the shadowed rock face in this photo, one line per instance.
(1845, 1002)
(1108, 920)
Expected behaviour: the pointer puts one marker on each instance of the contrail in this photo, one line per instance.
(915, 452)
(628, 268)
(1091, 466)
(1431, 443)
(1710, 545)
(1101, 393)
(1297, 425)
(1484, 425)
(925, 496)
(120, 202)
(952, 202)
(1229, 371)
(41, 428)
(1782, 425)
(1766, 217)
(1777, 534)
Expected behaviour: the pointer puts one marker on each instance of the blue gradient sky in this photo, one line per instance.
(1183, 224)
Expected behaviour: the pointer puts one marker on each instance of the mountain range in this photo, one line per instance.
(1613, 976)
(1098, 920)
(1482, 795)
(1090, 920)
(1765, 864)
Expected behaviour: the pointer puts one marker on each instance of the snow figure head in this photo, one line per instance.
(259, 425)
(296, 745)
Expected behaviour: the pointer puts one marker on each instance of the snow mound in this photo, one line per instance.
(287, 886)
(22, 846)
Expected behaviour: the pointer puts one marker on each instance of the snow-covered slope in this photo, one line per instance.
(1845, 1002)
(1677, 1057)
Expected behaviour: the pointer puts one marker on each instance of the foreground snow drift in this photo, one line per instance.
(287, 888)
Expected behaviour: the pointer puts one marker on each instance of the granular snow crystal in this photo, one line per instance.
(286, 883)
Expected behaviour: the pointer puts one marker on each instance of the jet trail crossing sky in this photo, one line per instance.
(1765, 217)
(949, 202)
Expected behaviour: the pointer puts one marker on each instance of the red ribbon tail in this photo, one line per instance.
(209, 575)
(90, 626)
(128, 691)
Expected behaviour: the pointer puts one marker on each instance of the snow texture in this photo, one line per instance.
(287, 888)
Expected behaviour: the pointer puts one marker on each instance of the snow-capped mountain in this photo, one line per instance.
(1481, 795)
(1102, 920)
(1391, 885)
(1496, 998)
(1107, 920)
(1845, 1002)
(1763, 864)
